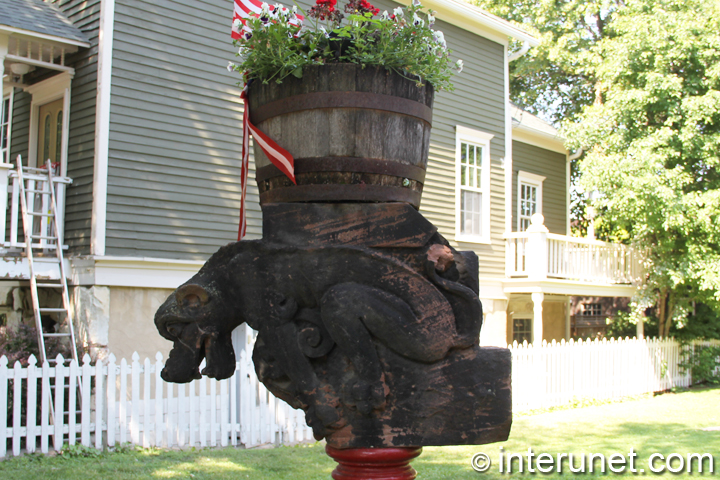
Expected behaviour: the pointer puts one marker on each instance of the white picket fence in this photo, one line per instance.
(558, 373)
(117, 403)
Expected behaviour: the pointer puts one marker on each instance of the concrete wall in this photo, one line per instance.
(131, 328)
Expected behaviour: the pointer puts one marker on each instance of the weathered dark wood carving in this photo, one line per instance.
(368, 319)
(377, 343)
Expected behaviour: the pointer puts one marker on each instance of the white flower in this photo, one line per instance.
(440, 38)
(294, 10)
(459, 65)
(264, 8)
(385, 15)
(237, 24)
(417, 21)
(398, 12)
(416, 3)
(324, 32)
(231, 67)
(431, 21)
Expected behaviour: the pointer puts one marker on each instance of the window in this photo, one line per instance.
(522, 330)
(472, 203)
(591, 310)
(529, 198)
(5, 130)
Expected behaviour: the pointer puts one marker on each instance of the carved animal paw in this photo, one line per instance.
(367, 396)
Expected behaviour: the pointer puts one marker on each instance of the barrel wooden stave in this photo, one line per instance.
(367, 133)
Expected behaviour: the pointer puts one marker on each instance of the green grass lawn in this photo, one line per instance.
(670, 423)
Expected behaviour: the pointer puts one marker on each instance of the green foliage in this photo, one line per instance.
(653, 147)
(406, 44)
(75, 451)
(703, 362)
(17, 344)
(555, 79)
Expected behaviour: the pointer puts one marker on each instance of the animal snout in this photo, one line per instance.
(192, 296)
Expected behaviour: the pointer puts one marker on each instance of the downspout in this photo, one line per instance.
(568, 167)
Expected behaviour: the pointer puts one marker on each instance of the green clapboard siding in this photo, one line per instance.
(85, 14)
(550, 165)
(20, 135)
(173, 186)
(175, 132)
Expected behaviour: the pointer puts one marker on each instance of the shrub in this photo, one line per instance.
(703, 363)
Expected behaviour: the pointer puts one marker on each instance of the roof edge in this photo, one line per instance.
(10, 30)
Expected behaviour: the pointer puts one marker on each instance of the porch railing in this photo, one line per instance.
(11, 232)
(538, 254)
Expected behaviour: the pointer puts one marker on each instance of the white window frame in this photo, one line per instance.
(5, 156)
(533, 180)
(480, 139)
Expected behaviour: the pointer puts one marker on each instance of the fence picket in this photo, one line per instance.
(3, 404)
(159, 401)
(59, 402)
(17, 407)
(73, 377)
(122, 411)
(135, 402)
(146, 404)
(99, 397)
(31, 421)
(111, 412)
(87, 374)
(44, 409)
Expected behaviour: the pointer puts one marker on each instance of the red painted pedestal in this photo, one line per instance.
(374, 463)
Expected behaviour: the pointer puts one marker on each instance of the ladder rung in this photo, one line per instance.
(49, 285)
(56, 335)
(38, 214)
(31, 190)
(50, 310)
(42, 237)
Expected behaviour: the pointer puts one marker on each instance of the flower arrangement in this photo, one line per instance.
(278, 42)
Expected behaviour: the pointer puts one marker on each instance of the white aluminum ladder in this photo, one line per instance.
(45, 189)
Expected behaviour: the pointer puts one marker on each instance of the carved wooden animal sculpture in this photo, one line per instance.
(343, 296)
(376, 340)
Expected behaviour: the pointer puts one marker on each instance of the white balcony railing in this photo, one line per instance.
(11, 232)
(538, 255)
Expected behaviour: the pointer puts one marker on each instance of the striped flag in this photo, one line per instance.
(246, 8)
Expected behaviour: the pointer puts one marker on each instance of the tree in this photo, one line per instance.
(555, 79)
(653, 147)
(636, 84)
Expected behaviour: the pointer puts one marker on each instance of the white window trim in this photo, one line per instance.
(534, 180)
(10, 96)
(469, 135)
(43, 93)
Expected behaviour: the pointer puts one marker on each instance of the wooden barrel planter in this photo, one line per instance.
(357, 135)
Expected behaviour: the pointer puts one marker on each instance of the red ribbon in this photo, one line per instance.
(279, 157)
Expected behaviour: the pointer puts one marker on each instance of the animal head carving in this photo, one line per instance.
(198, 318)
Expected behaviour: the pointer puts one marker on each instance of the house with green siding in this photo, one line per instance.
(132, 102)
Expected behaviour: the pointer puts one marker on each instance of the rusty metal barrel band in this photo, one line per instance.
(341, 193)
(311, 101)
(346, 164)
